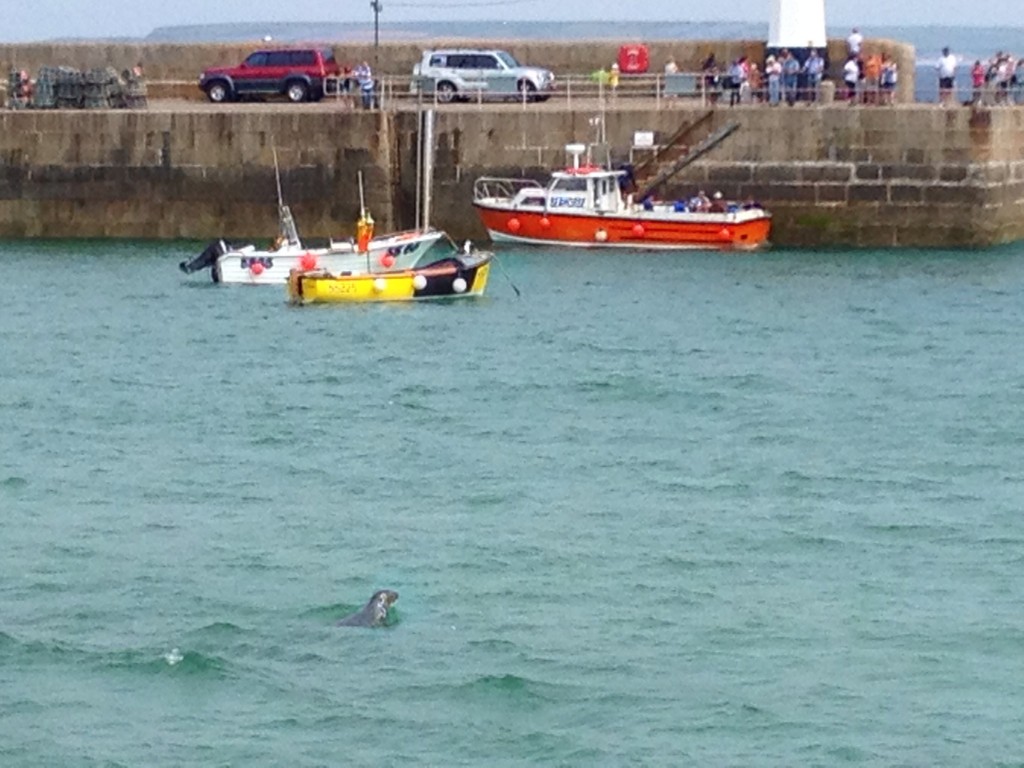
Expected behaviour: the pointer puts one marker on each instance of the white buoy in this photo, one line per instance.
(600, 235)
(419, 282)
(380, 284)
(797, 24)
(459, 285)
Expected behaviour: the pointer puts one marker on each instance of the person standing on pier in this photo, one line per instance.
(815, 68)
(790, 76)
(773, 71)
(947, 74)
(851, 75)
(364, 76)
(854, 43)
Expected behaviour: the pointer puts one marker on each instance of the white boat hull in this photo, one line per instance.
(251, 266)
(505, 237)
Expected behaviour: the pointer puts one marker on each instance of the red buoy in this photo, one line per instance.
(638, 229)
(256, 268)
(513, 225)
(307, 261)
(387, 261)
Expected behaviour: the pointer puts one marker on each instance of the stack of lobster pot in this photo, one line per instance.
(17, 89)
(70, 86)
(135, 94)
(102, 89)
(44, 95)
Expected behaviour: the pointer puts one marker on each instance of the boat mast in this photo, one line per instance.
(419, 158)
(284, 215)
(362, 214)
(277, 178)
(428, 163)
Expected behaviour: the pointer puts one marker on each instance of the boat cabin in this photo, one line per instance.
(588, 189)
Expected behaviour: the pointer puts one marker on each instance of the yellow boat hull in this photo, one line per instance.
(451, 278)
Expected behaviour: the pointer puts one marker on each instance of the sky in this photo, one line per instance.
(48, 19)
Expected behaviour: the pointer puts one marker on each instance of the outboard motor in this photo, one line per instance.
(206, 259)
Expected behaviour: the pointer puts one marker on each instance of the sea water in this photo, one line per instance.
(659, 509)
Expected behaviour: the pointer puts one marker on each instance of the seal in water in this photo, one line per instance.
(374, 613)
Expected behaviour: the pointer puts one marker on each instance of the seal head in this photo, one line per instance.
(374, 613)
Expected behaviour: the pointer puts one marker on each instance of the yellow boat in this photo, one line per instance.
(460, 275)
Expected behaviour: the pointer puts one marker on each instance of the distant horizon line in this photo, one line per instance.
(746, 22)
(260, 28)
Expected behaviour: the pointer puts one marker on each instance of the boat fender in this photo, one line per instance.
(256, 267)
(387, 261)
(459, 285)
(638, 229)
(308, 262)
(545, 222)
(380, 284)
(724, 235)
(600, 235)
(514, 225)
(419, 282)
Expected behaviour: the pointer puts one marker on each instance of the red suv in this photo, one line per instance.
(297, 73)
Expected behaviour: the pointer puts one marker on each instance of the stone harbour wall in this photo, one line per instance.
(913, 175)
(190, 174)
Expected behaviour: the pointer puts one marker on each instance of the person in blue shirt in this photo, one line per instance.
(364, 76)
(790, 76)
(814, 67)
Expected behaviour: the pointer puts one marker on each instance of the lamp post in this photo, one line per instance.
(377, 7)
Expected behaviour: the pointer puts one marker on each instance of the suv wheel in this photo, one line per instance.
(297, 91)
(218, 92)
(445, 92)
(527, 90)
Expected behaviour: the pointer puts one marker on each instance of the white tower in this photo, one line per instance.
(797, 24)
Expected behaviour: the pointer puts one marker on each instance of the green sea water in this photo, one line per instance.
(662, 509)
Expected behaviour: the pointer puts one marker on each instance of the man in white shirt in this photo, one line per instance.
(947, 74)
(851, 74)
(854, 42)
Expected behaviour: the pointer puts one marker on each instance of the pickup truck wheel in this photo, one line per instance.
(297, 91)
(445, 92)
(218, 92)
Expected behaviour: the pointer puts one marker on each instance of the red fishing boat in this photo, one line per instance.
(585, 205)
